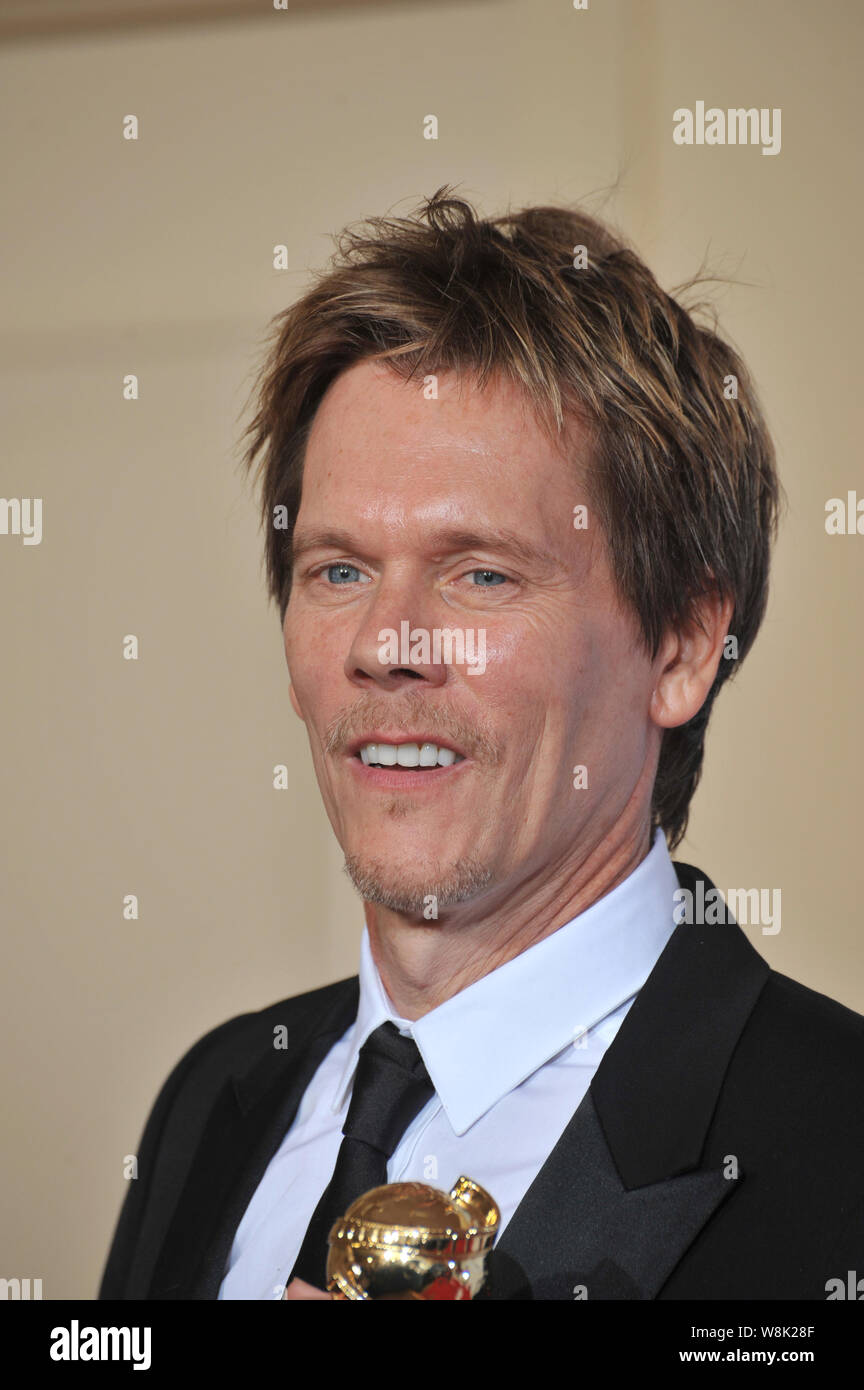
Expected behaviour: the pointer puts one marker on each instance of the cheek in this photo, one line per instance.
(624, 712)
(301, 636)
(598, 690)
(316, 664)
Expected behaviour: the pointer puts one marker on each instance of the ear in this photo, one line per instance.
(296, 706)
(688, 659)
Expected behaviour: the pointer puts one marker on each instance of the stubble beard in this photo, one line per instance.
(398, 890)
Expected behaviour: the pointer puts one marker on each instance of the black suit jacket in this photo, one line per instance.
(717, 1153)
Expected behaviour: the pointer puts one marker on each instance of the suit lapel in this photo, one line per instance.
(623, 1193)
(579, 1232)
(245, 1127)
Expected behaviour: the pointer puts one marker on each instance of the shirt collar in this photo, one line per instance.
(487, 1039)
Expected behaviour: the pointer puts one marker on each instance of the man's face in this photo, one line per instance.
(458, 513)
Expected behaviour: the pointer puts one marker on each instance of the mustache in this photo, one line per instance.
(475, 737)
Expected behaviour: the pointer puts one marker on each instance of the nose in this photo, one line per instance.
(392, 647)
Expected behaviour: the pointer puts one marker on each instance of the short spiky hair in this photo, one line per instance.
(682, 469)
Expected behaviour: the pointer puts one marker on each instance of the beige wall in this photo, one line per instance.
(154, 777)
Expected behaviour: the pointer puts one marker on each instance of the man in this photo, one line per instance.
(506, 432)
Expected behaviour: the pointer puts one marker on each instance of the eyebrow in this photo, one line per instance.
(447, 541)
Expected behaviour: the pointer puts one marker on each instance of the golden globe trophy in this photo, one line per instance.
(406, 1241)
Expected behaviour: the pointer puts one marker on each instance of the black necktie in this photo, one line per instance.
(391, 1086)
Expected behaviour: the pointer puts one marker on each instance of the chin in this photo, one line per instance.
(412, 893)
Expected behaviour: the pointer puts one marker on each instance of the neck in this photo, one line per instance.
(421, 966)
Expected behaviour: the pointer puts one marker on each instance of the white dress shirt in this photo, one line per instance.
(510, 1057)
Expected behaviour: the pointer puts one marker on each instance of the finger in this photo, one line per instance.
(298, 1289)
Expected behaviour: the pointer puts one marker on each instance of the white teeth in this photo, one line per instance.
(408, 755)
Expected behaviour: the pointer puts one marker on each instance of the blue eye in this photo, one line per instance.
(341, 567)
(495, 575)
